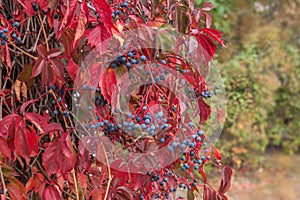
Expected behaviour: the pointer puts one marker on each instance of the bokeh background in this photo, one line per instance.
(261, 69)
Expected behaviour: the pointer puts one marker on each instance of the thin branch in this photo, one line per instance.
(109, 173)
(3, 182)
(75, 183)
(24, 52)
(44, 31)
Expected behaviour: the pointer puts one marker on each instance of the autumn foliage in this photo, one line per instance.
(43, 151)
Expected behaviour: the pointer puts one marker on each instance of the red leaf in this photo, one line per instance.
(208, 19)
(59, 155)
(214, 34)
(208, 45)
(209, 194)
(207, 6)
(217, 154)
(16, 189)
(97, 35)
(95, 71)
(24, 105)
(18, 137)
(202, 172)
(107, 84)
(82, 180)
(104, 11)
(124, 192)
(35, 182)
(42, 65)
(41, 122)
(51, 193)
(226, 179)
(58, 67)
(41, 50)
(67, 38)
(73, 69)
(5, 57)
(204, 110)
(25, 141)
(4, 149)
(52, 53)
(81, 23)
(2, 94)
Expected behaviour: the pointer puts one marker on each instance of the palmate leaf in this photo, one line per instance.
(51, 193)
(214, 34)
(205, 110)
(49, 65)
(16, 189)
(42, 122)
(59, 155)
(107, 84)
(17, 138)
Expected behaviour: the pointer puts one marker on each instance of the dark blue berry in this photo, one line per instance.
(114, 65)
(118, 12)
(174, 144)
(123, 5)
(5, 30)
(65, 113)
(85, 87)
(55, 112)
(157, 79)
(128, 64)
(162, 77)
(185, 165)
(3, 42)
(16, 24)
(134, 61)
(13, 35)
(123, 59)
(147, 121)
(199, 133)
(170, 148)
(130, 54)
(163, 62)
(143, 58)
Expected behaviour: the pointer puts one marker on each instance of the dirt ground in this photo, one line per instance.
(278, 180)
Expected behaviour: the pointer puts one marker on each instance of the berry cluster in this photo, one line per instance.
(129, 59)
(123, 7)
(3, 35)
(5, 32)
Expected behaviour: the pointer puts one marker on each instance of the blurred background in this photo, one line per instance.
(261, 70)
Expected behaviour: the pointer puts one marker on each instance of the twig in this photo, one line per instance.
(44, 31)
(3, 182)
(109, 173)
(59, 106)
(75, 183)
(24, 52)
